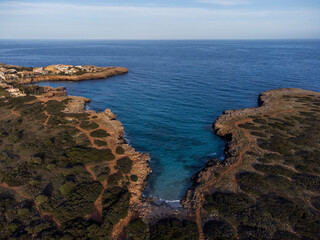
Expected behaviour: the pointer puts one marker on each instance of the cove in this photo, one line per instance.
(175, 90)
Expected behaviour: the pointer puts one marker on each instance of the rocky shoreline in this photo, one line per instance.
(59, 72)
(253, 157)
(218, 175)
(12, 83)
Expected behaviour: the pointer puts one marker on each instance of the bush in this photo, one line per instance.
(307, 181)
(40, 199)
(137, 230)
(277, 144)
(79, 202)
(219, 230)
(134, 178)
(100, 133)
(88, 155)
(248, 232)
(119, 150)
(89, 126)
(124, 165)
(252, 182)
(100, 143)
(281, 208)
(172, 228)
(55, 107)
(113, 179)
(115, 203)
(229, 205)
(67, 188)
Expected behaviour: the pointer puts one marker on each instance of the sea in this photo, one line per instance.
(175, 90)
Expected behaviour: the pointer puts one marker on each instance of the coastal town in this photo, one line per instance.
(25, 75)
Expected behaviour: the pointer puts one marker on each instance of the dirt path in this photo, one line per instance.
(48, 117)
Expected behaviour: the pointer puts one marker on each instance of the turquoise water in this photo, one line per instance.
(175, 90)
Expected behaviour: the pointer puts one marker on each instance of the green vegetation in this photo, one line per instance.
(99, 133)
(134, 178)
(278, 183)
(119, 150)
(218, 230)
(49, 165)
(88, 155)
(137, 230)
(115, 204)
(100, 143)
(124, 165)
(88, 125)
(172, 228)
(114, 179)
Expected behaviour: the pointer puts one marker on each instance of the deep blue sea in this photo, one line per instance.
(175, 90)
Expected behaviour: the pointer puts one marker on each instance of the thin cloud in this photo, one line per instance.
(224, 2)
(83, 21)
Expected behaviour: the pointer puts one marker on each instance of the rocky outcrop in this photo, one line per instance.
(220, 175)
(60, 72)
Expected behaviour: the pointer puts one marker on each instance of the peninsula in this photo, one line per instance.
(68, 173)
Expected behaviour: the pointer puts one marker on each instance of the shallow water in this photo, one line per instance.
(175, 90)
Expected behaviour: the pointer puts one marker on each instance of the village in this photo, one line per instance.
(12, 74)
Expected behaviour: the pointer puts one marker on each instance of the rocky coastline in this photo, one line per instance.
(243, 149)
(244, 182)
(13, 85)
(59, 72)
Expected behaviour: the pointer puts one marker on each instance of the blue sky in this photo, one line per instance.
(160, 19)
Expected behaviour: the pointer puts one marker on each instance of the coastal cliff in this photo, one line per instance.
(68, 173)
(65, 171)
(267, 187)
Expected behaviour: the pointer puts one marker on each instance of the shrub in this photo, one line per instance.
(79, 202)
(89, 126)
(248, 232)
(273, 169)
(40, 199)
(277, 144)
(307, 181)
(249, 126)
(55, 107)
(115, 203)
(119, 150)
(79, 116)
(101, 169)
(172, 228)
(102, 177)
(219, 230)
(252, 182)
(134, 178)
(229, 205)
(100, 143)
(114, 179)
(88, 155)
(124, 165)
(281, 208)
(137, 230)
(100, 133)
(66, 188)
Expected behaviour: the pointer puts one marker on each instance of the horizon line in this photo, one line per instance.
(160, 39)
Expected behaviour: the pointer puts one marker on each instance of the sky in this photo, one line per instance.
(160, 19)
